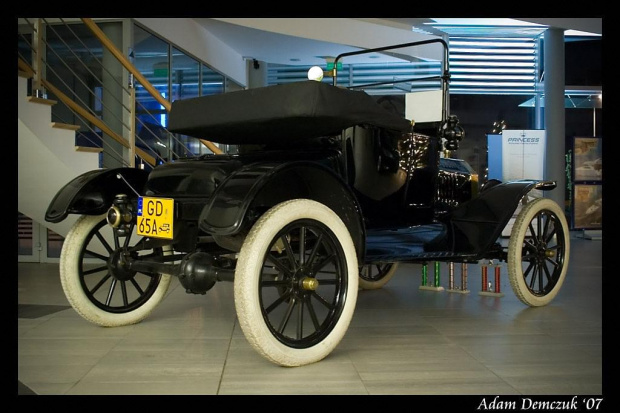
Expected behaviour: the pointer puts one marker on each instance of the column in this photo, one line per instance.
(554, 112)
(112, 110)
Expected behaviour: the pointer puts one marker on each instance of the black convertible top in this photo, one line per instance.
(290, 112)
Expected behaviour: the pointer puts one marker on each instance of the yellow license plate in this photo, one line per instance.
(155, 217)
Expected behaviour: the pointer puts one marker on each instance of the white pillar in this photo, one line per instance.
(112, 110)
(554, 113)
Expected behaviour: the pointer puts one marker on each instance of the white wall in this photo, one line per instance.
(46, 160)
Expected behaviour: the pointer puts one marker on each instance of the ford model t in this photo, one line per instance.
(328, 192)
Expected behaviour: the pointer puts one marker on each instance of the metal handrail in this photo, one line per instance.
(88, 116)
(94, 120)
(130, 91)
(80, 109)
(137, 75)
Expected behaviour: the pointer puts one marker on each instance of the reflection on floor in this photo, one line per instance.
(402, 340)
(38, 310)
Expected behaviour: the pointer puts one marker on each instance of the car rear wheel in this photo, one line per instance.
(296, 283)
(538, 252)
(99, 289)
(375, 276)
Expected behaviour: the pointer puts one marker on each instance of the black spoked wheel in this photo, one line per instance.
(374, 276)
(302, 304)
(538, 252)
(95, 282)
(296, 283)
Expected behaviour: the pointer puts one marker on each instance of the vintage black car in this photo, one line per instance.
(328, 192)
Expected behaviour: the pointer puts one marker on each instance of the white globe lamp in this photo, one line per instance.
(315, 73)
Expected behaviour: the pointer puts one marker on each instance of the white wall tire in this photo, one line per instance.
(270, 283)
(538, 252)
(92, 291)
(375, 276)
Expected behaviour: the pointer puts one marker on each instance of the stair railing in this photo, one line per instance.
(136, 74)
(85, 114)
(88, 116)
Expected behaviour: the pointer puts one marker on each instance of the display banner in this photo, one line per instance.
(494, 145)
(588, 154)
(587, 193)
(588, 207)
(514, 155)
(523, 154)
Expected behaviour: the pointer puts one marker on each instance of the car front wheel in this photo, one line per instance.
(538, 252)
(296, 283)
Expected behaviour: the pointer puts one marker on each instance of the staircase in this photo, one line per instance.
(47, 157)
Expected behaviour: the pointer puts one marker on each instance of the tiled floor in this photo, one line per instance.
(402, 340)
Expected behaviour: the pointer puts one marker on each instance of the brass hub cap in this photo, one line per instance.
(309, 284)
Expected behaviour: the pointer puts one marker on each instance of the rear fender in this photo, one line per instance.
(252, 190)
(92, 192)
(476, 225)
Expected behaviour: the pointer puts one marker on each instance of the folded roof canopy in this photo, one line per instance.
(293, 111)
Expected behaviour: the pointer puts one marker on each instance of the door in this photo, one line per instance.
(36, 243)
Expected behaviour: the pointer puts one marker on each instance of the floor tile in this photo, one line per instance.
(401, 341)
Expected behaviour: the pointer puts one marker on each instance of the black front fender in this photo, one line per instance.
(92, 192)
(476, 225)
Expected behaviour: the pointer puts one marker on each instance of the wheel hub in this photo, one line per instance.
(310, 284)
(118, 266)
(542, 251)
(303, 281)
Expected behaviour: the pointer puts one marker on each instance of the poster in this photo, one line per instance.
(588, 153)
(588, 206)
(523, 154)
(514, 155)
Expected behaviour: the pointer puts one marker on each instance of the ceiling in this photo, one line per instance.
(275, 46)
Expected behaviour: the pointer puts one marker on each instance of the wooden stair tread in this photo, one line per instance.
(88, 149)
(43, 101)
(59, 125)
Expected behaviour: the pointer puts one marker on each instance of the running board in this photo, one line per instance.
(411, 245)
